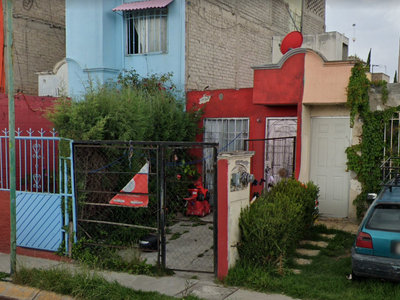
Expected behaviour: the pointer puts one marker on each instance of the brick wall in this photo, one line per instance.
(39, 40)
(314, 17)
(224, 38)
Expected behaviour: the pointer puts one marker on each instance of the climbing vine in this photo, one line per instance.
(366, 157)
(384, 91)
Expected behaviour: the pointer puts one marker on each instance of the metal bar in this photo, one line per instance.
(268, 139)
(215, 210)
(11, 120)
(187, 144)
(158, 209)
(1, 163)
(398, 136)
(163, 210)
(294, 155)
(26, 167)
(118, 224)
(113, 192)
(72, 174)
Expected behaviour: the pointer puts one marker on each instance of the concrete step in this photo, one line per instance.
(307, 252)
(321, 244)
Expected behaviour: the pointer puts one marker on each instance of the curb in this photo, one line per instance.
(19, 292)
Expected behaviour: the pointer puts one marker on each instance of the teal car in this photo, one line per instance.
(376, 250)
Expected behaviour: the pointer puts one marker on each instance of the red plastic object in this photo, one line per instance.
(292, 40)
(198, 204)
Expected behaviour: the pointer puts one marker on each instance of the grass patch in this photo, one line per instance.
(82, 285)
(325, 278)
(127, 260)
(4, 275)
(199, 224)
(175, 236)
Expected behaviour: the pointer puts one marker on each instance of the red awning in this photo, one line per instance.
(143, 5)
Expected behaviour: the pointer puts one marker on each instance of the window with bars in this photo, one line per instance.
(146, 31)
(229, 133)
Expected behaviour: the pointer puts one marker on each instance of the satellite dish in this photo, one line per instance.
(292, 40)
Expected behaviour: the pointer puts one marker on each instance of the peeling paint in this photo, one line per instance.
(204, 99)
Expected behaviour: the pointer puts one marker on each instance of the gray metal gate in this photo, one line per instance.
(45, 196)
(107, 178)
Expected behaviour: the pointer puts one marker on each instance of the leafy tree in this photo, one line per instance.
(395, 77)
(368, 65)
(134, 108)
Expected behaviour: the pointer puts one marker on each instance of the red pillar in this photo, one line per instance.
(223, 266)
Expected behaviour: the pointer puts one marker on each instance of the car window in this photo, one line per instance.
(385, 217)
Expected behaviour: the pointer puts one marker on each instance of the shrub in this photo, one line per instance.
(274, 224)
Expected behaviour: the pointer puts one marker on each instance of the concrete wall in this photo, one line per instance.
(54, 83)
(39, 40)
(332, 45)
(225, 38)
(313, 16)
(230, 203)
(325, 82)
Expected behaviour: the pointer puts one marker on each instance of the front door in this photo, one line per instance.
(329, 139)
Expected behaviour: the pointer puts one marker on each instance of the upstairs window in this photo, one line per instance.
(146, 31)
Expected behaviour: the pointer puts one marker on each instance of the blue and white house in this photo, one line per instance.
(106, 37)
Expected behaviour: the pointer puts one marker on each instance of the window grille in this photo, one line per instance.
(229, 133)
(146, 31)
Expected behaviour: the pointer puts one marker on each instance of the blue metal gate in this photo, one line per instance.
(45, 191)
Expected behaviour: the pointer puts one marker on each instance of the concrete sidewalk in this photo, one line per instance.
(178, 285)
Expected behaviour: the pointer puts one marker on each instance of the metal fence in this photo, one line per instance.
(133, 195)
(279, 156)
(36, 161)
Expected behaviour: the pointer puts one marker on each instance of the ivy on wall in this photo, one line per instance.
(366, 157)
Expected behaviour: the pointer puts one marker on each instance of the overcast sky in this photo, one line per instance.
(377, 27)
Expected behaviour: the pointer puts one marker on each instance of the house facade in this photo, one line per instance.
(303, 96)
(203, 43)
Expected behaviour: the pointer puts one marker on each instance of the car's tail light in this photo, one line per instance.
(364, 240)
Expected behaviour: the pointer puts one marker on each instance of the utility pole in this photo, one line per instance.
(11, 122)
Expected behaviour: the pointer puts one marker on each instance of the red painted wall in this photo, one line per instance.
(276, 93)
(5, 221)
(29, 114)
(238, 104)
(282, 86)
(223, 212)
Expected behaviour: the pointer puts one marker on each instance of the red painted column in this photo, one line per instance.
(5, 222)
(222, 263)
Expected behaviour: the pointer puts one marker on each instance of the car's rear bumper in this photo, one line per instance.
(375, 266)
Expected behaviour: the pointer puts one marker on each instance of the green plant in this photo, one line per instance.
(324, 279)
(138, 109)
(83, 285)
(272, 226)
(366, 157)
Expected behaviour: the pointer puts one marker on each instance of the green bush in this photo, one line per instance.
(274, 224)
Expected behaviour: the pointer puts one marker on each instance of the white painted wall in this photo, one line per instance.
(237, 199)
(329, 44)
(54, 83)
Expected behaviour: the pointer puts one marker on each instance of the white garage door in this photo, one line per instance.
(329, 139)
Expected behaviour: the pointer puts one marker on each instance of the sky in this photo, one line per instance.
(377, 27)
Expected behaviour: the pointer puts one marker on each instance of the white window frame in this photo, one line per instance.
(230, 133)
(146, 31)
